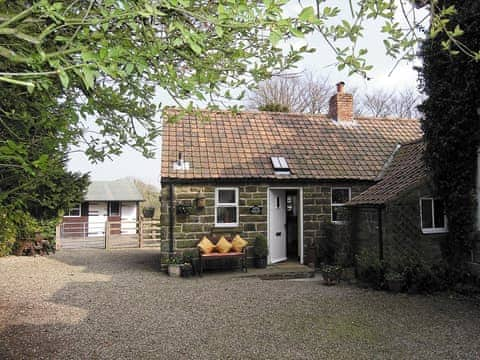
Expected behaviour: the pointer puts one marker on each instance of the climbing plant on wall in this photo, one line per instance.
(452, 123)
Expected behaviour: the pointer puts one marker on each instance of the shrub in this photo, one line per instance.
(15, 225)
(418, 275)
(260, 248)
(334, 245)
(370, 269)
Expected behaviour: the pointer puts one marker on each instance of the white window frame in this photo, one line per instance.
(332, 205)
(432, 230)
(79, 207)
(218, 204)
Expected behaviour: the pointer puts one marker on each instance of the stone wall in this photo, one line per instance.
(317, 208)
(190, 228)
(366, 230)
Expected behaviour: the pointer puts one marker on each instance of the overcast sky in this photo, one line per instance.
(132, 164)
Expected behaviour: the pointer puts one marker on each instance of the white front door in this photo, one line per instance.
(129, 218)
(277, 236)
(97, 216)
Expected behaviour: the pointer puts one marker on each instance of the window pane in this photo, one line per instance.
(114, 208)
(427, 220)
(340, 196)
(226, 196)
(74, 212)
(226, 215)
(339, 213)
(439, 212)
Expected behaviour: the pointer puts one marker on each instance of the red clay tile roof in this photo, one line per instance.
(406, 169)
(240, 145)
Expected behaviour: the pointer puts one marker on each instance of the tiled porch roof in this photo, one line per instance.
(406, 170)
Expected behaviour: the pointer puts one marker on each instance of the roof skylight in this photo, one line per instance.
(280, 165)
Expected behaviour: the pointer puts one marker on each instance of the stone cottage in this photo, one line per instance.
(279, 174)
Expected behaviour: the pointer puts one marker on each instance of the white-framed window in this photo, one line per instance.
(432, 215)
(339, 197)
(76, 210)
(226, 207)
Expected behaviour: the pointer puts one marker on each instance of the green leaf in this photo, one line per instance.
(307, 14)
(195, 47)
(30, 88)
(275, 37)
(457, 32)
(89, 77)
(297, 33)
(64, 79)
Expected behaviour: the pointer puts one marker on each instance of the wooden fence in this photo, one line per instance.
(110, 235)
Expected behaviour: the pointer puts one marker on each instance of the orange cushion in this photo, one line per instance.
(238, 243)
(223, 245)
(206, 246)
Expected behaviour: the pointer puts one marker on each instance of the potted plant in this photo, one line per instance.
(191, 263)
(395, 281)
(187, 269)
(174, 266)
(260, 250)
(331, 274)
(148, 212)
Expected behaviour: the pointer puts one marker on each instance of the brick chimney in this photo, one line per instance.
(341, 105)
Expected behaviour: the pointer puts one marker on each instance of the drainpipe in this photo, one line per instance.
(380, 233)
(171, 222)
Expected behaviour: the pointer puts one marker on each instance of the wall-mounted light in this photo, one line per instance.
(200, 200)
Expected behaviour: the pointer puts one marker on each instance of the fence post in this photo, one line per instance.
(107, 235)
(140, 238)
(58, 240)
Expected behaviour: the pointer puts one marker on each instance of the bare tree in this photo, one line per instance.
(384, 103)
(303, 94)
(310, 94)
(406, 104)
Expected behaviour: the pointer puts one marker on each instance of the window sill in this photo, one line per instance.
(434, 231)
(222, 228)
(226, 225)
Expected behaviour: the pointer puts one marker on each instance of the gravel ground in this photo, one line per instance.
(116, 305)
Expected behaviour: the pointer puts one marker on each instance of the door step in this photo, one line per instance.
(282, 271)
(288, 275)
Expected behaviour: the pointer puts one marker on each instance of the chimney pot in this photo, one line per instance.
(340, 87)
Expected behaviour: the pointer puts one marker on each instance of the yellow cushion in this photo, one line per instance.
(238, 243)
(223, 245)
(206, 246)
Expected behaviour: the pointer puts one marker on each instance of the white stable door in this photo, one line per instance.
(277, 230)
(129, 218)
(97, 216)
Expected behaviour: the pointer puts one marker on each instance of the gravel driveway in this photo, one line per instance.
(116, 305)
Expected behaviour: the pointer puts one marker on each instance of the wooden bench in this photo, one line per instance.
(242, 256)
